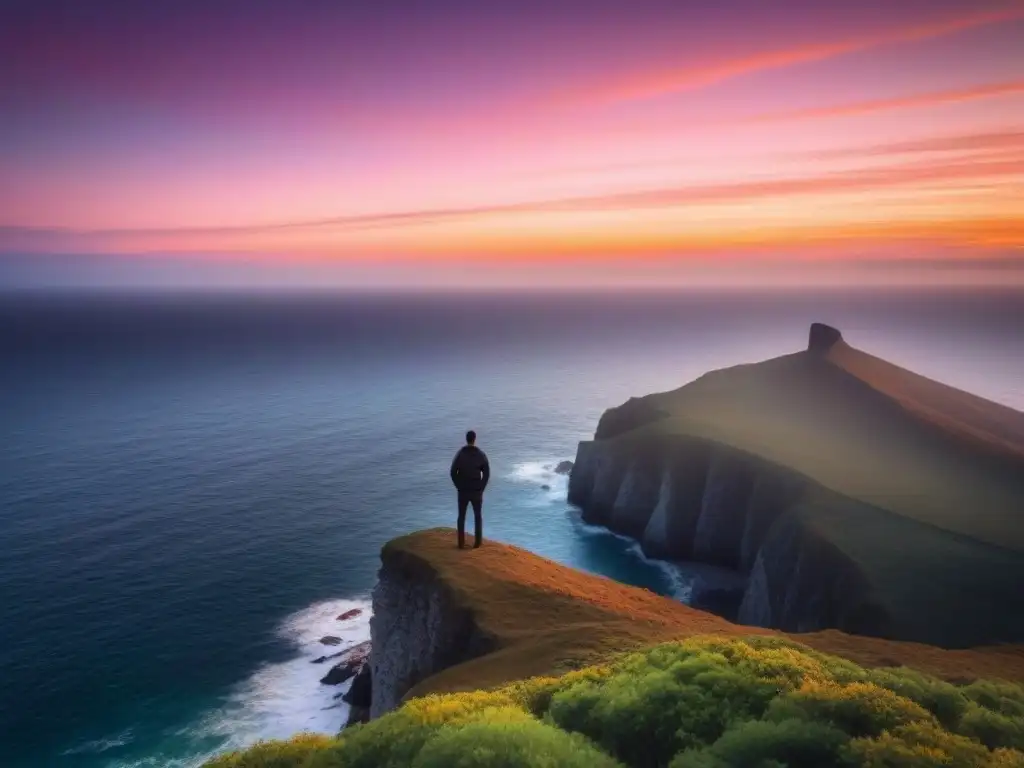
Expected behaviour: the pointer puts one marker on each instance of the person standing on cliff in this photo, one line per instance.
(470, 473)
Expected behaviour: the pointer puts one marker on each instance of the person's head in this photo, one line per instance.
(470, 437)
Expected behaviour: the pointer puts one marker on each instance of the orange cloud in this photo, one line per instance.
(900, 102)
(625, 246)
(387, 228)
(996, 142)
(651, 84)
(843, 181)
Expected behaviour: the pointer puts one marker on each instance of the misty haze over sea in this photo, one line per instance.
(193, 487)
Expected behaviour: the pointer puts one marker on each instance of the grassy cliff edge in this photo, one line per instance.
(546, 618)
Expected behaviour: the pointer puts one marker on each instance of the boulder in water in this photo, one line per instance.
(329, 656)
(353, 661)
(330, 640)
(545, 487)
(563, 468)
(338, 674)
(350, 614)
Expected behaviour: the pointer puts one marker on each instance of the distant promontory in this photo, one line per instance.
(849, 492)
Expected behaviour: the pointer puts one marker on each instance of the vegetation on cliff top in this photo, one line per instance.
(706, 702)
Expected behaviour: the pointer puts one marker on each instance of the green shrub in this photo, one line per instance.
(991, 728)
(1006, 758)
(389, 742)
(297, 751)
(646, 713)
(944, 700)
(1004, 698)
(778, 659)
(509, 738)
(759, 744)
(395, 740)
(535, 695)
(636, 718)
(707, 702)
(917, 745)
(859, 709)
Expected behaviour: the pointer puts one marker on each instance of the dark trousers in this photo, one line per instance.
(477, 500)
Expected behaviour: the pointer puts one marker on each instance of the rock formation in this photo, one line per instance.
(822, 338)
(359, 696)
(352, 662)
(416, 631)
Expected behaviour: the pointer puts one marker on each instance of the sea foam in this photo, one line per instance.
(541, 473)
(282, 699)
(278, 700)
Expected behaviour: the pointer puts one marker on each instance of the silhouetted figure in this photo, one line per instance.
(470, 473)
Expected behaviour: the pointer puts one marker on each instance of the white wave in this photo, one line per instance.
(97, 746)
(159, 761)
(540, 474)
(680, 582)
(278, 700)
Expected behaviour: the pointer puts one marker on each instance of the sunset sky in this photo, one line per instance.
(556, 142)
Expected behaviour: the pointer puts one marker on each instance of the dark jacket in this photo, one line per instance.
(470, 470)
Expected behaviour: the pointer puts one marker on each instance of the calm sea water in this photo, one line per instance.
(193, 488)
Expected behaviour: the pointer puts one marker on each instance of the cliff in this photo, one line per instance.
(853, 494)
(419, 628)
(448, 620)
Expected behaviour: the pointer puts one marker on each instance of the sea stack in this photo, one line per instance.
(822, 338)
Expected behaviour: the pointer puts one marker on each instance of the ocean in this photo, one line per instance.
(193, 487)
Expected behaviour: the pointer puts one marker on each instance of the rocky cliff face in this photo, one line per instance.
(688, 498)
(683, 498)
(416, 631)
(799, 582)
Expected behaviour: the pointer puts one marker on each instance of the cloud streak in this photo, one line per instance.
(871, 106)
(994, 143)
(951, 173)
(663, 82)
